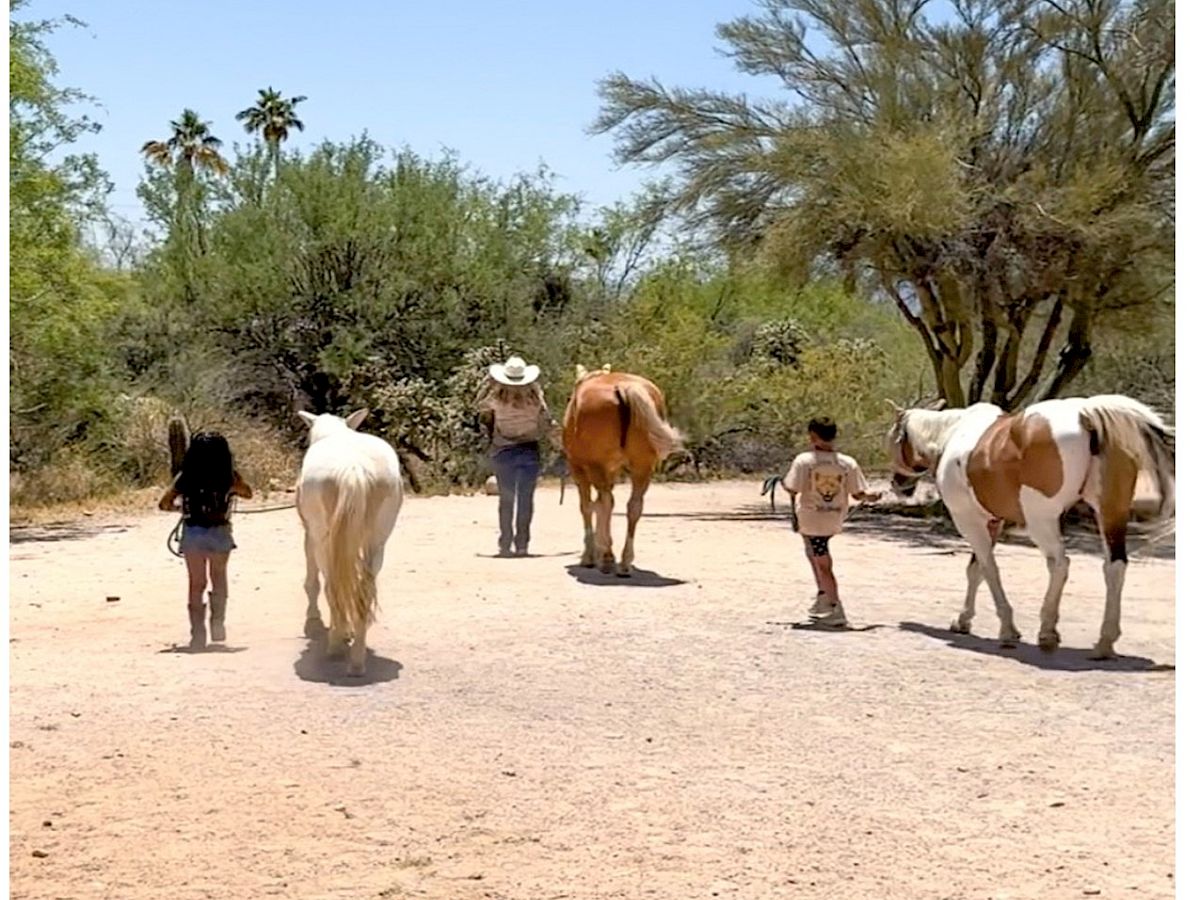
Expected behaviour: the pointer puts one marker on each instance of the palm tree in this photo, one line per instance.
(191, 146)
(274, 117)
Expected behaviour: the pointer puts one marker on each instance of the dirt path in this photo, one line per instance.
(529, 732)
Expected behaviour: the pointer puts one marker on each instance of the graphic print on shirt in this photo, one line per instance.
(827, 484)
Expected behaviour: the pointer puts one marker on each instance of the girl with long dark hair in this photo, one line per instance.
(206, 483)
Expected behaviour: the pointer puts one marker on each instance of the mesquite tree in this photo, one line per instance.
(1002, 170)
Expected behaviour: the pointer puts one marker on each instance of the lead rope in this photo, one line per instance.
(175, 538)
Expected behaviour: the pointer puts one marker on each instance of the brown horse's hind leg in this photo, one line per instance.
(603, 541)
(640, 482)
(584, 488)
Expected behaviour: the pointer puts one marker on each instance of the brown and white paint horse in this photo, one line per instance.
(614, 421)
(1028, 468)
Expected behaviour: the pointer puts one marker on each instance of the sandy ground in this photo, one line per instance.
(530, 730)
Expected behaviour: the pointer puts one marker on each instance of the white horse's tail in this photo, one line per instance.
(1122, 423)
(350, 584)
(664, 437)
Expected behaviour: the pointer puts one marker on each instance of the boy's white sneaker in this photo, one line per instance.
(836, 617)
(821, 606)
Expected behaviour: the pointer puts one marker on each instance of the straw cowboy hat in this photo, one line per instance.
(514, 371)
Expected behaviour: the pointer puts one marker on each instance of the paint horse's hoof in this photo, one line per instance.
(959, 627)
(1010, 639)
(1049, 641)
(1102, 651)
(314, 628)
(606, 565)
(624, 571)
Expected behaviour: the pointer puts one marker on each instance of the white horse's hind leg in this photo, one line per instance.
(338, 633)
(1042, 518)
(373, 563)
(313, 626)
(358, 650)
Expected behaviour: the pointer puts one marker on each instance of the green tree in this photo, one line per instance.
(1004, 173)
(356, 264)
(274, 117)
(61, 304)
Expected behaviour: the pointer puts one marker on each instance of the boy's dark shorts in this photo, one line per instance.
(816, 546)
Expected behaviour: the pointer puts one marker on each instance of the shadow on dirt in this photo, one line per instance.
(638, 578)
(1064, 659)
(60, 531)
(526, 556)
(210, 648)
(316, 666)
(1080, 537)
(830, 629)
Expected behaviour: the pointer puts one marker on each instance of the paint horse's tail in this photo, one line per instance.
(350, 585)
(1123, 424)
(663, 437)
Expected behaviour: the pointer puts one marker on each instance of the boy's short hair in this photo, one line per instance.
(823, 427)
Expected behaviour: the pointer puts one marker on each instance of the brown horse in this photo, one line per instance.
(614, 421)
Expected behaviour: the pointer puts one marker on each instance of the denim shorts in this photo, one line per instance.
(207, 539)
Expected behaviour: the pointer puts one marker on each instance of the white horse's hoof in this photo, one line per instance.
(356, 671)
(1049, 642)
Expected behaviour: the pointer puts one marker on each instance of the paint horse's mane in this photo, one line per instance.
(928, 430)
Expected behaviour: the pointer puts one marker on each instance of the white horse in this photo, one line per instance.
(1028, 468)
(349, 496)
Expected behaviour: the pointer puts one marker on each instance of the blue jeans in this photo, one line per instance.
(517, 469)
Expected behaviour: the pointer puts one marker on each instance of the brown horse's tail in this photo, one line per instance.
(637, 403)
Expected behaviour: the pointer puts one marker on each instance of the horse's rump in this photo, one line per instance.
(1119, 424)
(615, 418)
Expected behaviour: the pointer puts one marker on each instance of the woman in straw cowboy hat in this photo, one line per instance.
(513, 409)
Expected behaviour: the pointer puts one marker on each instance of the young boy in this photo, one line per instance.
(820, 481)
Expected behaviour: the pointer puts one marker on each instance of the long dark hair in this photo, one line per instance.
(207, 476)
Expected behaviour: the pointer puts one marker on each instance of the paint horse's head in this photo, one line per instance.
(909, 464)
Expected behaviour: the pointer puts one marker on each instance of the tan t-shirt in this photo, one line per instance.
(822, 482)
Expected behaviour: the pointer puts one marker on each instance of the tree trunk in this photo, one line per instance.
(1074, 355)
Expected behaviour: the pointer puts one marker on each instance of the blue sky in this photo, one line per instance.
(506, 85)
